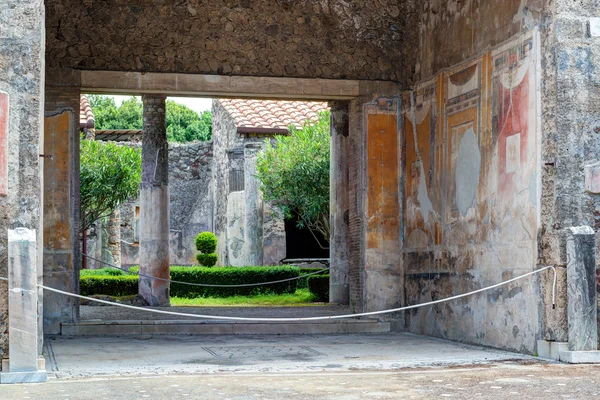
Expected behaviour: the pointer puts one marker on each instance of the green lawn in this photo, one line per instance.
(302, 297)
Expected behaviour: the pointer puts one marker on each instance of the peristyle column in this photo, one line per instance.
(154, 203)
(339, 291)
(253, 214)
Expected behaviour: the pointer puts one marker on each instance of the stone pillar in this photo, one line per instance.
(61, 242)
(339, 290)
(114, 237)
(154, 203)
(23, 364)
(253, 215)
(581, 289)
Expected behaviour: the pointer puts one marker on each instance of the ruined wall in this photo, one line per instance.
(190, 202)
(571, 126)
(21, 133)
(326, 39)
(472, 206)
(229, 196)
(472, 139)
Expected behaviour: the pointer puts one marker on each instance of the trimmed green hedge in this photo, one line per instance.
(318, 285)
(232, 276)
(101, 272)
(303, 282)
(125, 285)
(117, 286)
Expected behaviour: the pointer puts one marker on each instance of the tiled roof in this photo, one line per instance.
(86, 115)
(271, 115)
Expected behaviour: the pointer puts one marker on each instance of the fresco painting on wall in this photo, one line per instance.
(472, 148)
(3, 144)
(471, 160)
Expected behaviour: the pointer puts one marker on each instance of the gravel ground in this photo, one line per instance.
(495, 382)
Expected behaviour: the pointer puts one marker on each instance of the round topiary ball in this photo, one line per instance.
(206, 242)
(207, 260)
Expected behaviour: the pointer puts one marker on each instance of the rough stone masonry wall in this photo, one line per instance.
(22, 79)
(571, 125)
(190, 185)
(471, 162)
(352, 39)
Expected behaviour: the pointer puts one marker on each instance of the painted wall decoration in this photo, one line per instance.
(471, 201)
(3, 144)
(383, 195)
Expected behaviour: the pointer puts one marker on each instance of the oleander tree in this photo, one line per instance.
(294, 174)
(109, 175)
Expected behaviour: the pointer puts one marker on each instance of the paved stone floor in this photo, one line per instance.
(143, 355)
(366, 366)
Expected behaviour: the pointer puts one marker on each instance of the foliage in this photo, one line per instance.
(183, 124)
(302, 297)
(232, 276)
(207, 260)
(294, 174)
(101, 272)
(206, 242)
(109, 175)
(186, 125)
(123, 285)
(318, 285)
(303, 282)
(109, 285)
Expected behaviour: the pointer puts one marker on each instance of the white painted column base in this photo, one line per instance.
(551, 350)
(39, 376)
(580, 357)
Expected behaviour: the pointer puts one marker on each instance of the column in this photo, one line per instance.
(582, 308)
(61, 234)
(154, 203)
(23, 330)
(114, 237)
(253, 215)
(339, 290)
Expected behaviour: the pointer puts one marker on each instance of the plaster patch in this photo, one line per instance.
(513, 153)
(423, 196)
(595, 27)
(468, 167)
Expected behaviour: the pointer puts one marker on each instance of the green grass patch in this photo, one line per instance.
(302, 297)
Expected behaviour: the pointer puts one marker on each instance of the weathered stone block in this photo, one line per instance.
(581, 289)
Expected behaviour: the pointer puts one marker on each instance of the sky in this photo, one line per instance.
(197, 104)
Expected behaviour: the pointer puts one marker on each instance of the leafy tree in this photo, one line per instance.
(110, 175)
(294, 174)
(183, 124)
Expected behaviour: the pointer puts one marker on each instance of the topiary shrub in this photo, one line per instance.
(207, 260)
(101, 272)
(303, 282)
(206, 244)
(318, 285)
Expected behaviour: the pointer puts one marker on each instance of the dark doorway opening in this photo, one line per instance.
(300, 242)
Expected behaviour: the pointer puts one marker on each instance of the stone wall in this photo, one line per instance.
(472, 157)
(21, 133)
(333, 39)
(230, 197)
(190, 185)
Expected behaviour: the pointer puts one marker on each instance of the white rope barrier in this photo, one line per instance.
(331, 317)
(211, 285)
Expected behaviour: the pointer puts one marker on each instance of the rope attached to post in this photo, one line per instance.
(324, 318)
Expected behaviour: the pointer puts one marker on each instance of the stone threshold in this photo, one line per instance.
(209, 327)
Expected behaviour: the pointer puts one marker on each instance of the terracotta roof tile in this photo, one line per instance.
(86, 115)
(271, 114)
